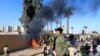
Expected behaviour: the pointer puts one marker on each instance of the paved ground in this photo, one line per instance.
(27, 52)
(34, 52)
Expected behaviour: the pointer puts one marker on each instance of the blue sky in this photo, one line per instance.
(11, 11)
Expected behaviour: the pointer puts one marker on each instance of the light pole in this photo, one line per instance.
(60, 22)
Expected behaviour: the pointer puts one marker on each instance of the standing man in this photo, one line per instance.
(51, 39)
(87, 49)
(6, 51)
(61, 46)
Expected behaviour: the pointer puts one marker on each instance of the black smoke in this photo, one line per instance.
(35, 27)
(83, 6)
(77, 6)
(58, 6)
(56, 9)
(47, 13)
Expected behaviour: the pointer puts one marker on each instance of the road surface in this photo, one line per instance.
(27, 52)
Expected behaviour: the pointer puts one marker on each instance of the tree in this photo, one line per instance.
(85, 27)
(68, 13)
(72, 29)
(30, 8)
(83, 32)
(95, 32)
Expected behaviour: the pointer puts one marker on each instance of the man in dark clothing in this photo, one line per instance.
(72, 39)
(98, 40)
(94, 49)
(87, 49)
(82, 49)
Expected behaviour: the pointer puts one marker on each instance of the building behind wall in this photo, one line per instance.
(1, 29)
(20, 29)
(5, 29)
(12, 30)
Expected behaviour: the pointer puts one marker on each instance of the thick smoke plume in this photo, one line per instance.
(83, 6)
(56, 8)
(47, 13)
(35, 28)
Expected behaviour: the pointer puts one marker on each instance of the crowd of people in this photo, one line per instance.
(59, 44)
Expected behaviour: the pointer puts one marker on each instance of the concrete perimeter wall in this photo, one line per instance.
(14, 42)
